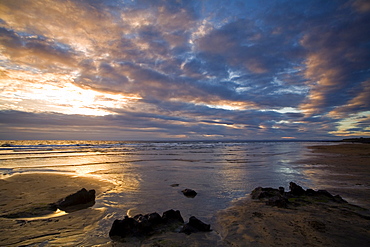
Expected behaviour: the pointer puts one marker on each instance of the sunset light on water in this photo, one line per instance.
(184, 123)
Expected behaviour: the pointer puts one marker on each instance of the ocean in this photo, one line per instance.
(149, 176)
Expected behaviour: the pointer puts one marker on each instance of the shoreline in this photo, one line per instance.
(344, 169)
(246, 221)
(252, 222)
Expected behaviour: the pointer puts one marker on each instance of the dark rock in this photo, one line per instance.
(189, 193)
(137, 226)
(174, 185)
(198, 224)
(141, 219)
(136, 217)
(297, 196)
(148, 220)
(261, 193)
(281, 190)
(278, 201)
(195, 225)
(339, 199)
(310, 192)
(154, 218)
(79, 200)
(145, 225)
(172, 216)
(324, 193)
(296, 189)
(128, 227)
(187, 229)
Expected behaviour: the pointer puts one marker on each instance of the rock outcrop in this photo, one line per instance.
(195, 225)
(141, 226)
(296, 196)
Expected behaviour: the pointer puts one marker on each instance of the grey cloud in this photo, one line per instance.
(36, 51)
(294, 115)
(244, 45)
(339, 58)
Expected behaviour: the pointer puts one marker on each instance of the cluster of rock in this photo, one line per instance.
(141, 226)
(149, 224)
(296, 196)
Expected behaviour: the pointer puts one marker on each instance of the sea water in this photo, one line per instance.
(149, 176)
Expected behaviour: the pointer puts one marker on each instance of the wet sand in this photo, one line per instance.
(318, 224)
(24, 194)
(246, 223)
(252, 223)
(347, 170)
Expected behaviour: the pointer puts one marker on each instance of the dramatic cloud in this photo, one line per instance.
(72, 69)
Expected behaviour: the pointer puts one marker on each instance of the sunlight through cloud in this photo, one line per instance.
(57, 93)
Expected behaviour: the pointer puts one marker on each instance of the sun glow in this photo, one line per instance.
(52, 92)
(351, 126)
(229, 105)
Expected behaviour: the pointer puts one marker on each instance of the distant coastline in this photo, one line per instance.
(357, 140)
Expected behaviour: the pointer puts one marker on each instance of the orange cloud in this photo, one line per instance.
(362, 6)
(360, 102)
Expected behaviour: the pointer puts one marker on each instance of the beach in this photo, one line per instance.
(21, 197)
(348, 170)
(252, 223)
(244, 222)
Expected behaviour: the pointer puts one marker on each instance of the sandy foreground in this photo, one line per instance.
(22, 194)
(252, 223)
(247, 223)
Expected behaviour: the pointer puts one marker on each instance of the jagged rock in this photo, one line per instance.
(195, 225)
(145, 225)
(310, 192)
(339, 199)
(172, 216)
(260, 193)
(128, 227)
(296, 196)
(79, 200)
(198, 224)
(137, 226)
(154, 218)
(189, 193)
(296, 189)
(324, 193)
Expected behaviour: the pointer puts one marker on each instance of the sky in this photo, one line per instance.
(184, 70)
